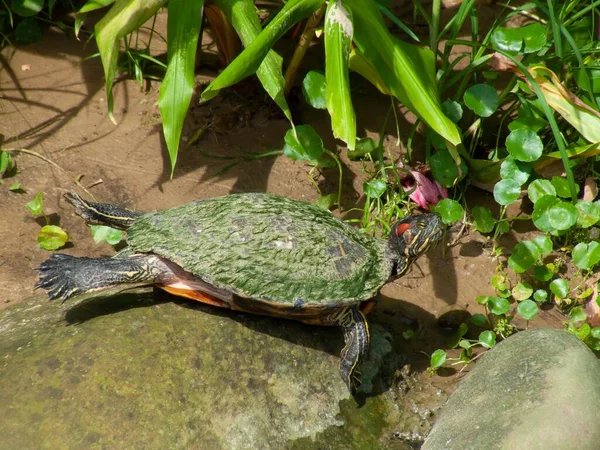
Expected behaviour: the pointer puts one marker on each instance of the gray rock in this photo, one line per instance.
(539, 389)
(134, 372)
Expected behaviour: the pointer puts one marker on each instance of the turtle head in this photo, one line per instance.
(413, 236)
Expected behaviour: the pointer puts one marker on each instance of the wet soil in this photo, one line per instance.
(53, 103)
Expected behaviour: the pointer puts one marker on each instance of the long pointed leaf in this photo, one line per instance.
(90, 5)
(124, 17)
(243, 17)
(407, 70)
(338, 40)
(250, 59)
(183, 28)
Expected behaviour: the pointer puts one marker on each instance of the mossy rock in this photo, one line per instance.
(537, 390)
(130, 371)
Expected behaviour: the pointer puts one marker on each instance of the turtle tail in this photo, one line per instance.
(102, 213)
(65, 276)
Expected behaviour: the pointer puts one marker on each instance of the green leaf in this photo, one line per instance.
(524, 145)
(526, 39)
(561, 215)
(498, 306)
(522, 291)
(102, 233)
(487, 338)
(544, 243)
(124, 17)
(560, 288)
(483, 219)
(407, 70)
(561, 185)
(6, 163)
(35, 205)
(482, 99)
(525, 254)
(313, 88)
(483, 299)
(364, 146)
(15, 187)
(375, 188)
(506, 191)
(303, 144)
(90, 5)
(28, 31)
(438, 358)
(338, 43)
(534, 124)
(26, 8)
(595, 332)
(52, 237)
(255, 52)
(498, 282)
(183, 28)
(540, 296)
(527, 309)
(588, 213)
(479, 320)
(444, 170)
(539, 188)
(540, 217)
(586, 256)
(326, 201)
(244, 19)
(450, 210)
(577, 314)
(453, 110)
(543, 273)
(515, 170)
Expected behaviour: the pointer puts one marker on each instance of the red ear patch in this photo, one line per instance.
(400, 229)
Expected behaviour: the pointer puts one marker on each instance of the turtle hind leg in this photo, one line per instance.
(101, 213)
(357, 338)
(65, 276)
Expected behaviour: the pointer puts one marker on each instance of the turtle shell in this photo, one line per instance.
(267, 247)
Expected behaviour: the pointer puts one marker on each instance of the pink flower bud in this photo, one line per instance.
(428, 192)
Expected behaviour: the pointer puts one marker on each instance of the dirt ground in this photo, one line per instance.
(53, 103)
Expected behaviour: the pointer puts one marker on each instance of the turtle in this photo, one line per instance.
(252, 252)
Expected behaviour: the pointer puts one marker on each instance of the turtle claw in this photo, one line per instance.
(54, 277)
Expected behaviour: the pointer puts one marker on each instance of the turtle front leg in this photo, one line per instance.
(357, 338)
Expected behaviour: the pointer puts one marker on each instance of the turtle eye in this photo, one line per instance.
(421, 225)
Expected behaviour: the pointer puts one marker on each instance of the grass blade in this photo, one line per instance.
(124, 17)
(243, 17)
(183, 28)
(250, 59)
(338, 41)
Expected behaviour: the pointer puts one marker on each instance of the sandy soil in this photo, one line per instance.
(58, 109)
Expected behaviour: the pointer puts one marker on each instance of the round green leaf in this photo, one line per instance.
(28, 31)
(595, 332)
(522, 291)
(525, 254)
(375, 188)
(527, 309)
(562, 215)
(52, 237)
(313, 88)
(544, 243)
(498, 282)
(438, 358)
(561, 185)
(102, 233)
(487, 338)
(326, 201)
(526, 39)
(515, 170)
(539, 188)
(305, 144)
(26, 8)
(588, 213)
(364, 146)
(540, 217)
(560, 288)
(543, 273)
(453, 110)
(483, 219)
(479, 319)
(35, 205)
(482, 99)
(586, 256)
(532, 123)
(524, 145)
(540, 296)
(483, 299)
(498, 306)
(444, 170)
(578, 314)
(503, 227)
(450, 210)
(506, 191)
